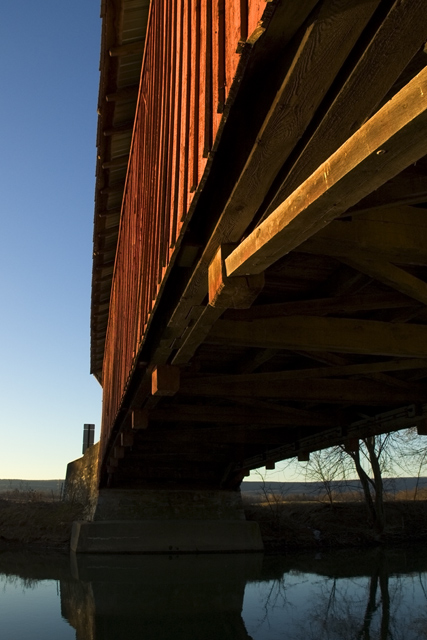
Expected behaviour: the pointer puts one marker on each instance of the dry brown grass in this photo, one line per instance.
(45, 523)
(315, 524)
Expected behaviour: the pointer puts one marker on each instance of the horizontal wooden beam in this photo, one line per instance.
(391, 140)
(121, 161)
(123, 95)
(107, 213)
(397, 235)
(310, 333)
(330, 391)
(404, 364)
(113, 189)
(408, 187)
(122, 128)
(324, 306)
(182, 439)
(131, 48)
(240, 415)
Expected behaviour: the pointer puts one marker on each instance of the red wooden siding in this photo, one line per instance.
(189, 63)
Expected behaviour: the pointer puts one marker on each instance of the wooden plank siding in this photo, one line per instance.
(191, 56)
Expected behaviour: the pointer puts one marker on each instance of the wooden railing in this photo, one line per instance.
(191, 56)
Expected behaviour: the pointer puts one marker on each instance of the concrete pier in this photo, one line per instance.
(161, 520)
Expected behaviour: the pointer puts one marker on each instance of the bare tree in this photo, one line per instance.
(326, 467)
(373, 459)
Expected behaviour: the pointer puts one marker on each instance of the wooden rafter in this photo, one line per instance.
(391, 275)
(391, 47)
(392, 139)
(396, 235)
(319, 390)
(310, 333)
(238, 415)
(324, 306)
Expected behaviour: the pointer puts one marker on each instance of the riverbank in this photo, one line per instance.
(304, 525)
(284, 525)
(37, 523)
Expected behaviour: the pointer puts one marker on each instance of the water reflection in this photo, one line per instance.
(158, 597)
(334, 596)
(353, 595)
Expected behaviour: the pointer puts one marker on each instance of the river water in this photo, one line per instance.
(342, 595)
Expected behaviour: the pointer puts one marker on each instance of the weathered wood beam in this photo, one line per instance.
(408, 187)
(165, 380)
(122, 128)
(324, 306)
(404, 418)
(310, 333)
(128, 49)
(397, 235)
(127, 439)
(404, 364)
(196, 334)
(234, 293)
(330, 34)
(238, 293)
(220, 437)
(139, 419)
(392, 139)
(113, 189)
(115, 163)
(109, 213)
(123, 95)
(392, 276)
(240, 415)
(331, 391)
(392, 46)
(253, 361)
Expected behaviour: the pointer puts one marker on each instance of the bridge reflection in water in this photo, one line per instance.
(195, 596)
(346, 594)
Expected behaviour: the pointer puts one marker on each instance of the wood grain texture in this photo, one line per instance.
(310, 333)
(324, 306)
(396, 235)
(314, 390)
(239, 415)
(402, 364)
(408, 187)
(391, 275)
(390, 141)
(397, 39)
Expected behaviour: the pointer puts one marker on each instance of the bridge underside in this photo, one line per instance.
(293, 313)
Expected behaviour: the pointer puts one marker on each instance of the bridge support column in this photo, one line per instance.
(166, 521)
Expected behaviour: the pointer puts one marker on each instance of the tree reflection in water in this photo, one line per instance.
(385, 605)
(346, 595)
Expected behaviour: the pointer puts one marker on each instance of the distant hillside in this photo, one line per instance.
(47, 486)
(391, 485)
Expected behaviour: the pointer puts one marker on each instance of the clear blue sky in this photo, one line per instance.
(49, 80)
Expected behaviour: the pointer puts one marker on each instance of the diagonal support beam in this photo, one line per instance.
(237, 293)
(390, 275)
(390, 141)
